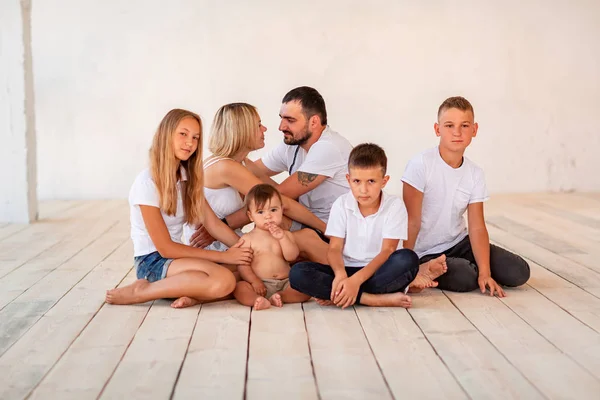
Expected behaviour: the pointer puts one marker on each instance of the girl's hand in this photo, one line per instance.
(276, 231)
(237, 255)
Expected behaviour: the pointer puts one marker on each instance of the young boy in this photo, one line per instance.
(367, 264)
(265, 282)
(440, 184)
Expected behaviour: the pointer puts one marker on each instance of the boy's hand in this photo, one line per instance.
(335, 286)
(348, 290)
(276, 231)
(237, 255)
(259, 288)
(488, 281)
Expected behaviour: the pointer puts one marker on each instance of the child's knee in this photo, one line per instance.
(518, 273)
(407, 258)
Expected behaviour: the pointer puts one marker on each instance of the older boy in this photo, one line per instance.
(367, 264)
(440, 184)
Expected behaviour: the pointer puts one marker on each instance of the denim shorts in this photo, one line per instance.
(152, 267)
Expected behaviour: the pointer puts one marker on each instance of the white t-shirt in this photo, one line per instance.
(446, 194)
(328, 157)
(364, 235)
(144, 192)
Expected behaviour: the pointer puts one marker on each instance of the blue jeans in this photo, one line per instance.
(394, 275)
(152, 267)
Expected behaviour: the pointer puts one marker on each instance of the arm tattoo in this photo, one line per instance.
(306, 179)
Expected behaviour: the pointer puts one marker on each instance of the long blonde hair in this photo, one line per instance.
(163, 167)
(233, 129)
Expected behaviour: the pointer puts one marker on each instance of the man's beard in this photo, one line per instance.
(291, 141)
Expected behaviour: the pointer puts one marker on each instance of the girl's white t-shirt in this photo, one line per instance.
(446, 192)
(144, 192)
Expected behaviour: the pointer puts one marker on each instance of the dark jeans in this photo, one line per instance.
(507, 269)
(394, 275)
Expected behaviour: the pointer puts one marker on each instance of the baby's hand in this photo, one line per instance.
(259, 288)
(276, 231)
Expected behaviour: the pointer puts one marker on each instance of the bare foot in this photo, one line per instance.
(386, 300)
(435, 268)
(276, 300)
(421, 282)
(323, 303)
(184, 302)
(261, 303)
(129, 294)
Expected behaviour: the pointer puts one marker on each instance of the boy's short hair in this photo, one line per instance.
(260, 194)
(311, 101)
(368, 155)
(457, 102)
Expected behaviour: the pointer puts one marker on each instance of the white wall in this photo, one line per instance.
(18, 199)
(107, 71)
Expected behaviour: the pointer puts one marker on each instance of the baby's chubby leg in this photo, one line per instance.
(288, 295)
(245, 294)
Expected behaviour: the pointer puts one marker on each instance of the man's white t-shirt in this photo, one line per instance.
(328, 157)
(143, 192)
(446, 192)
(364, 235)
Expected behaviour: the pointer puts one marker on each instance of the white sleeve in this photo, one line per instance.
(276, 159)
(144, 192)
(479, 193)
(396, 221)
(414, 174)
(336, 225)
(323, 159)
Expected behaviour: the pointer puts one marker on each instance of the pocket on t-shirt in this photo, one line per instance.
(460, 202)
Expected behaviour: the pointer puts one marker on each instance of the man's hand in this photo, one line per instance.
(259, 288)
(237, 255)
(489, 282)
(348, 290)
(276, 231)
(201, 238)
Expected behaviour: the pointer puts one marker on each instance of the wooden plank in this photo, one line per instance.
(279, 359)
(344, 365)
(152, 362)
(568, 334)
(569, 270)
(550, 370)
(88, 364)
(25, 363)
(479, 367)
(410, 365)
(215, 364)
(17, 317)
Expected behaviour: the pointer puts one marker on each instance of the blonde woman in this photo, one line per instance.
(161, 199)
(237, 130)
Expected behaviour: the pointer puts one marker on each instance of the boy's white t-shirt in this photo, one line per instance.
(144, 192)
(328, 157)
(446, 192)
(364, 235)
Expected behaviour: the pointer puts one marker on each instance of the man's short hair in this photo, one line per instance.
(455, 102)
(368, 155)
(260, 194)
(311, 101)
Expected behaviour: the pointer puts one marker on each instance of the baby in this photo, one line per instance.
(265, 282)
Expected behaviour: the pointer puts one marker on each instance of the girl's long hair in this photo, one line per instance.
(165, 172)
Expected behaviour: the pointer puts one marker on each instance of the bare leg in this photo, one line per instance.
(288, 295)
(245, 294)
(194, 278)
(184, 301)
(311, 246)
(386, 300)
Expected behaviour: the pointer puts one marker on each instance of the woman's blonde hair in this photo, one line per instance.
(233, 129)
(165, 172)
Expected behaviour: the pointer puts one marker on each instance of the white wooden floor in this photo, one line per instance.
(59, 340)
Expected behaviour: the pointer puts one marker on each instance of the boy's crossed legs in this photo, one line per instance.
(384, 288)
